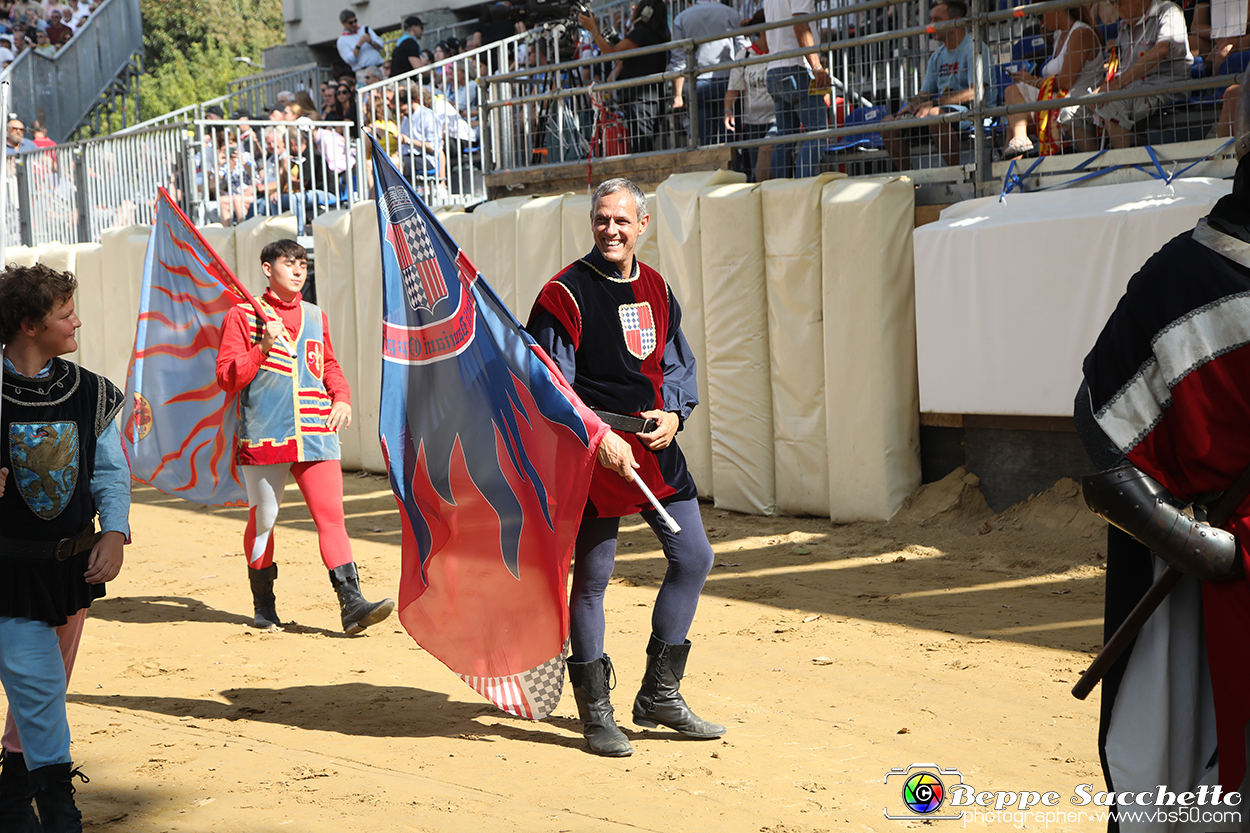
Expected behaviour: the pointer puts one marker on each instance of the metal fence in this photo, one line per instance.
(217, 171)
(430, 121)
(257, 94)
(73, 192)
(877, 54)
(64, 89)
(523, 103)
(242, 169)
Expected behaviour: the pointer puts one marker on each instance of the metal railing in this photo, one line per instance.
(217, 171)
(65, 88)
(73, 192)
(430, 122)
(877, 53)
(520, 103)
(244, 169)
(257, 93)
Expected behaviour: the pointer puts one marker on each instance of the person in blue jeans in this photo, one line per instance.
(706, 18)
(790, 82)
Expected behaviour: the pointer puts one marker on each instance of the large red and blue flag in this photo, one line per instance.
(178, 424)
(490, 455)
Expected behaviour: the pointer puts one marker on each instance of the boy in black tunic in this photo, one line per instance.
(61, 462)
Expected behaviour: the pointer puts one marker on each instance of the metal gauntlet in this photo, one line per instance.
(1128, 498)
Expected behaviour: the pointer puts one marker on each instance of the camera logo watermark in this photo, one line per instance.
(928, 791)
(923, 790)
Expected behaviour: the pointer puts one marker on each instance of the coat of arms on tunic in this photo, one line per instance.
(639, 328)
(44, 457)
(419, 271)
(314, 356)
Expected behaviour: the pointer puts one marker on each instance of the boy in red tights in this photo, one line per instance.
(292, 401)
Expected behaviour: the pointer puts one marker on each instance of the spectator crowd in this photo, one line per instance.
(43, 26)
(426, 117)
(428, 121)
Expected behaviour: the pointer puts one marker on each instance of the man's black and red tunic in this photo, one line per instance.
(1169, 386)
(618, 342)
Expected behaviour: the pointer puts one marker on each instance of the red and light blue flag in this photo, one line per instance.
(178, 424)
(490, 455)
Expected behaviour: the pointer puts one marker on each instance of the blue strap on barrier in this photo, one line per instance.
(1012, 181)
(1215, 152)
(1085, 164)
(1009, 182)
(1154, 157)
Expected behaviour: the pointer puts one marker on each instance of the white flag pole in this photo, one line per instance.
(668, 519)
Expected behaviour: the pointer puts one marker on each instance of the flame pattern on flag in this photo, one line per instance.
(490, 455)
(178, 425)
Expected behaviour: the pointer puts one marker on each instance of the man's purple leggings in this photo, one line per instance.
(689, 561)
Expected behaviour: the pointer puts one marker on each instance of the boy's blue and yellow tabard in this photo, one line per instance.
(283, 409)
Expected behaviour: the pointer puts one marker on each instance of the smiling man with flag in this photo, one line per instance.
(490, 455)
(613, 327)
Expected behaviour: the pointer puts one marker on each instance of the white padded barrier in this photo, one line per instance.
(575, 236)
(336, 295)
(121, 278)
(367, 271)
(221, 240)
(21, 255)
(792, 263)
(89, 270)
(1011, 295)
(872, 399)
(538, 247)
(735, 318)
(676, 217)
(495, 242)
(459, 224)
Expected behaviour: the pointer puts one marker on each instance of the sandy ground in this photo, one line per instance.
(948, 636)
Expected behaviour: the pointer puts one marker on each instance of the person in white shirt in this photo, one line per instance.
(759, 114)
(359, 46)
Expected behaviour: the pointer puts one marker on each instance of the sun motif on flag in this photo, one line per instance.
(142, 419)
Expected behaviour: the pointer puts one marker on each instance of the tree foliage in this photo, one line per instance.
(191, 45)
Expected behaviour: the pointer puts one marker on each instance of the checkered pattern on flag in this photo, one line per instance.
(533, 693)
(423, 281)
(490, 455)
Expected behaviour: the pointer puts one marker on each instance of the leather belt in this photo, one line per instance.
(625, 422)
(60, 550)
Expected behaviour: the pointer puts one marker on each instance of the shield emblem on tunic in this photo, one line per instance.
(44, 458)
(639, 328)
(314, 355)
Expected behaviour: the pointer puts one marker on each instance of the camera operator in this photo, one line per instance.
(648, 27)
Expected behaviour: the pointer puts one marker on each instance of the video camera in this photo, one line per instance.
(536, 11)
(559, 17)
